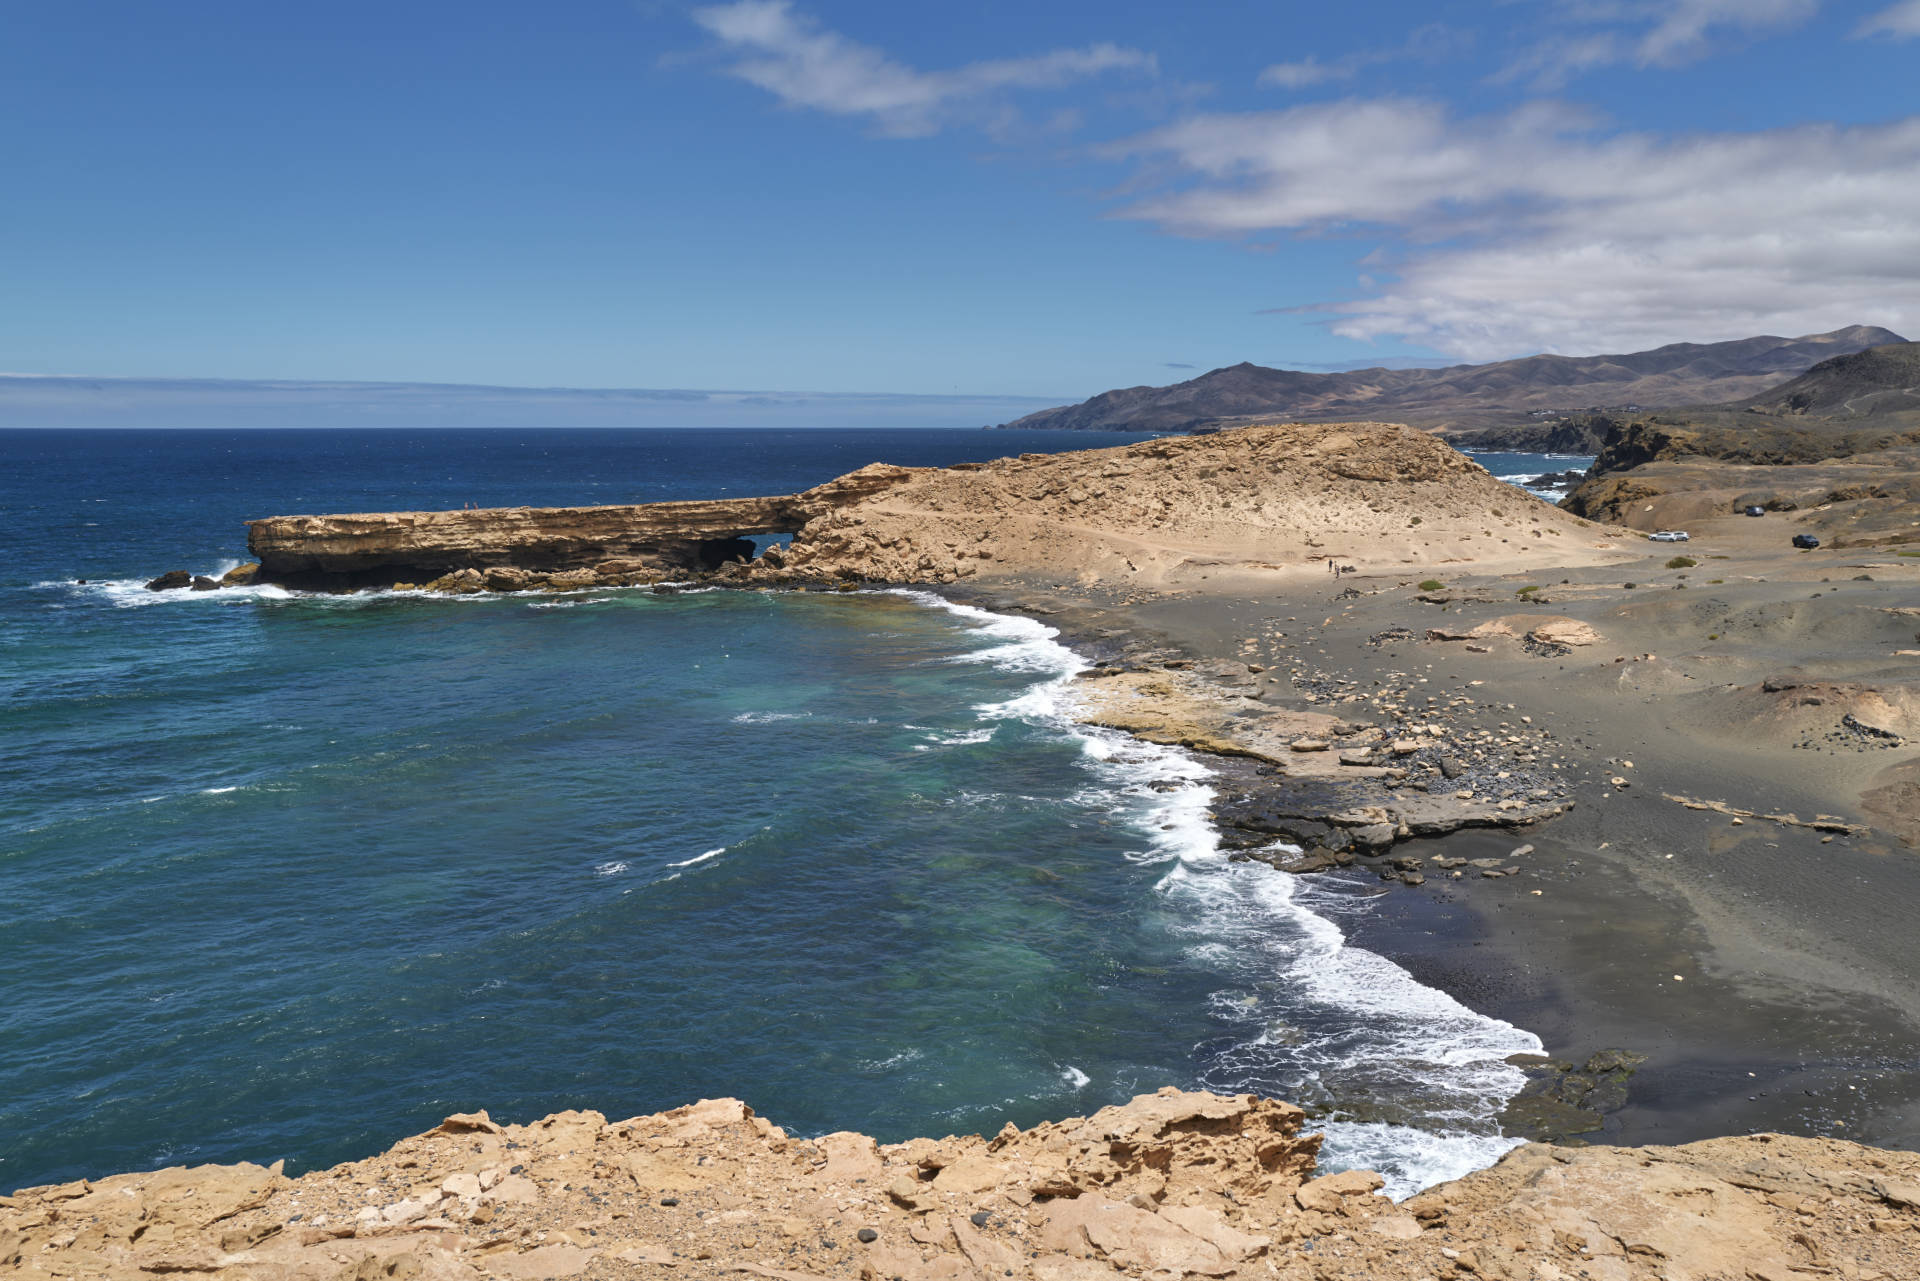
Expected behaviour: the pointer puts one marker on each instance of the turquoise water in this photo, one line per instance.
(291, 876)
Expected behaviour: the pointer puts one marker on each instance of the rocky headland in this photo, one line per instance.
(1275, 498)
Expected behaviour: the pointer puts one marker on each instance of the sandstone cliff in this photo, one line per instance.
(637, 542)
(1169, 1186)
(1260, 500)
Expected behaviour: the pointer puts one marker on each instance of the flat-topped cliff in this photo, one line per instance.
(1170, 1185)
(640, 540)
(1269, 499)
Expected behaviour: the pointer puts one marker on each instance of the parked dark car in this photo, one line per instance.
(1805, 541)
(1756, 511)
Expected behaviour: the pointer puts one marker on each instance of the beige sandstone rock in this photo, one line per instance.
(1170, 1186)
(1255, 501)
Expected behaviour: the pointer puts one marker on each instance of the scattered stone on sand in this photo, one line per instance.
(1818, 823)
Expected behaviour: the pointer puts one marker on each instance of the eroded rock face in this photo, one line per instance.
(385, 548)
(1172, 1185)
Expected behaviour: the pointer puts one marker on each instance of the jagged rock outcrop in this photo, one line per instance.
(1574, 434)
(1171, 1185)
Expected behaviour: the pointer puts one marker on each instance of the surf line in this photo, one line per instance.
(1384, 1024)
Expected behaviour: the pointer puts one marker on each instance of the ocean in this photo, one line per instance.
(291, 877)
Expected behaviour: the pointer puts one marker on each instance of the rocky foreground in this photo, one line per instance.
(1171, 1185)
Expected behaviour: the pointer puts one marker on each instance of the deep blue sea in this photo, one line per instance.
(290, 876)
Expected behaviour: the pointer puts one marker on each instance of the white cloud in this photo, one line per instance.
(1430, 43)
(1536, 230)
(1646, 33)
(1308, 72)
(805, 65)
(1901, 21)
(1687, 29)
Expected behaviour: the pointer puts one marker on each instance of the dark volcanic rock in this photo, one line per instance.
(1561, 1099)
(172, 580)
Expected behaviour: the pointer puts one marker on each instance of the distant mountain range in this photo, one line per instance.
(1467, 396)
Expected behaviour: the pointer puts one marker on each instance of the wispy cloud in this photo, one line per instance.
(1585, 35)
(1689, 30)
(1539, 230)
(807, 66)
(1901, 21)
(1175, 364)
(1430, 43)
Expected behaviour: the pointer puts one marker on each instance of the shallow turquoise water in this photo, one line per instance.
(294, 876)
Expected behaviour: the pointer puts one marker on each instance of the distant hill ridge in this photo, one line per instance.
(1877, 383)
(1467, 396)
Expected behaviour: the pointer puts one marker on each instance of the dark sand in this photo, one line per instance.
(1770, 972)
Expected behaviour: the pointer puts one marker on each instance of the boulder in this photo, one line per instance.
(1349, 1192)
(507, 579)
(172, 580)
(463, 582)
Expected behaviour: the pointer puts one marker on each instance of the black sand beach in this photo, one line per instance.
(1767, 970)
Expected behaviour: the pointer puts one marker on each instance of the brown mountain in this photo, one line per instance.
(1466, 396)
(1883, 382)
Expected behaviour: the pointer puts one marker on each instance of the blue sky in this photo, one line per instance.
(1001, 199)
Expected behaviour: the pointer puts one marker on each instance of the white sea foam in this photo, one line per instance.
(132, 593)
(769, 718)
(1526, 481)
(1074, 1077)
(217, 791)
(892, 1061)
(1336, 1026)
(1303, 1007)
(961, 738)
(610, 869)
(700, 858)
